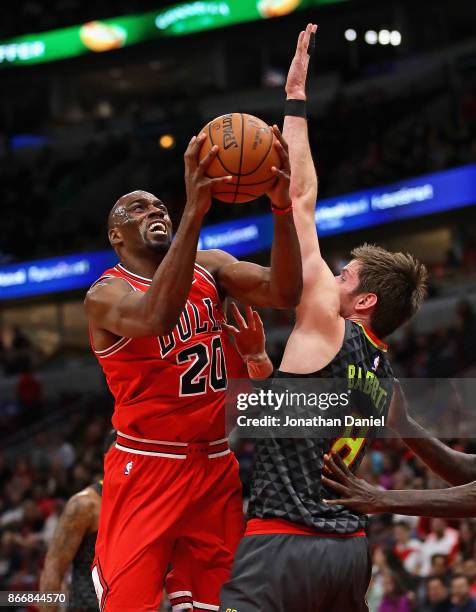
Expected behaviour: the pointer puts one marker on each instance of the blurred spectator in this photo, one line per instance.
(383, 590)
(407, 549)
(467, 539)
(466, 334)
(439, 565)
(437, 595)
(469, 570)
(394, 596)
(461, 595)
(15, 350)
(442, 540)
(29, 390)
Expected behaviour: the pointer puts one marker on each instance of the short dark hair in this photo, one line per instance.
(398, 280)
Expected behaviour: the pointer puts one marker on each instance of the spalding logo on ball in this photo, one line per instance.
(246, 152)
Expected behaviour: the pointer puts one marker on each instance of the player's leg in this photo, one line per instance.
(210, 533)
(246, 590)
(349, 570)
(139, 588)
(140, 507)
(282, 572)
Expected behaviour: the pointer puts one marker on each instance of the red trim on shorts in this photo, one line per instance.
(258, 526)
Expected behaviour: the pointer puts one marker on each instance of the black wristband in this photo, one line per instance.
(295, 108)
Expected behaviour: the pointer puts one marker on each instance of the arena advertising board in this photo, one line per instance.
(416, 197)
(109, 34)
(53, 275)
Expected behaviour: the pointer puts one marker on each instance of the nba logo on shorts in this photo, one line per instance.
(128, 469)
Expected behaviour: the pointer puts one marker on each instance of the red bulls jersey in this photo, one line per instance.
(173, 387)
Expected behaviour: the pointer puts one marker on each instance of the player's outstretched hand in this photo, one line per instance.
(297, 75)
(198, 185)
(279, 192)
(249, 334)
(353, 492)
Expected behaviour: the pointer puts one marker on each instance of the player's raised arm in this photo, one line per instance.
(303, 188)
(280, 285)
(111, 304)
(74, 523)
(456, 502)
(319, 305)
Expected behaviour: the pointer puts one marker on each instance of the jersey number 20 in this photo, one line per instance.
(196, 380)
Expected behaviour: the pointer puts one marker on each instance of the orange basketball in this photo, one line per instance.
(246, 153)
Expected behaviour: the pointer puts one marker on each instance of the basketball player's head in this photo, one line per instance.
(382, 288)
(139, 222)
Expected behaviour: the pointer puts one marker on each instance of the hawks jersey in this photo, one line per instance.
(172, 387)
(286, 481)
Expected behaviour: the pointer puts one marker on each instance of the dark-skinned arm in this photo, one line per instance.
(455, 502)
(74, 523)
(112, 305)
(453, 466)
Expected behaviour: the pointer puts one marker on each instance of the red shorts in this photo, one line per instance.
(167, 510)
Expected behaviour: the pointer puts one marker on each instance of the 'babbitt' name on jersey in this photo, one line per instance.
(172, 387)
(286, 481)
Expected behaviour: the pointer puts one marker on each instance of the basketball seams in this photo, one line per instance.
(241, 157)
(264, 158)
(272, 178)
(218, 158)
(240, 193)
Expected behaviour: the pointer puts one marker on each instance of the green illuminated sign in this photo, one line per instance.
(176, 20)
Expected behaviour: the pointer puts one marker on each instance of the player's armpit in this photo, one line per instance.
(114, 306)
(74, 523)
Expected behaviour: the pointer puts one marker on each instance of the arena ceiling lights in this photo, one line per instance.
(176, 20)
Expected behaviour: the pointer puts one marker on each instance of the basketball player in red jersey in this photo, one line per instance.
(172, 494)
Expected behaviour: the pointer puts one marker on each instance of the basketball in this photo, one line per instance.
(246, 153)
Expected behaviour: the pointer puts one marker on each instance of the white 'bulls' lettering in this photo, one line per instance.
(193, 321)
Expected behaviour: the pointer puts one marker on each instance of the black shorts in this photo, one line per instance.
(298, 573)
